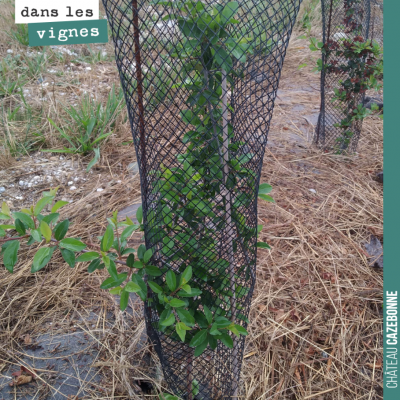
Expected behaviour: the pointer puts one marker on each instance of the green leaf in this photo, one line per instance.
(138, 264)
(108, 239)
(45, 231)
(266, 198)
(130, 261)
(171, 280)
(154, 287)
(263, 245)
(139, 214)
(187, 288)
(111, 267)
(199, 338)
(177, 303)
(227, 340)
(26, 219)
(5, 211)
(229, 11)
(72, 244)
(140, 252)
(41, 258)
(214, 329)
(91, 255)
(61, 230)
(95, 264)
(128, 232)
(10, 255)
(222, 322)
(194, 292)
(201, 319)
(20, 227)
(69, 257)
(143, 293)
(200, 348)
(4, 216)
(3, 232)
(111, 282)
(180, 331)
(241, 330)
(35, 234)
(186, 317)
(42, 203)
(186, 275)
(195, 383)
(208, 314)
(58, 205)
(123, 301)
(168, 320)
(116, 290)
(50, 218)
(147, 256)
(264, 188)
(132, 287)
(94, 161)
(153, 271)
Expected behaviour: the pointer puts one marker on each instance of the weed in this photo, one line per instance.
(87, 123)
(19, 33)
(93, 57)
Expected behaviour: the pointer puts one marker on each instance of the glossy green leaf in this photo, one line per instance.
(89, 256)
(153, 270)
(42, 203)
(26, 219)
(41, 258)
(58, 205)
(108, 239)
(155, 287)
(61, 230)
(139, 214)
(147, 255)
(132, 287)
(111, 282)
(185, 317)
(263, 245)
(69, 257)
(208, 314)
(171, 280)
(199, 338)
(10, 255)
(177, 303)
(20, 227)
(72, 244)
(45, 230)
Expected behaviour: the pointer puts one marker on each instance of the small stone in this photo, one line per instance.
(76, 179)
(133, 168)
(2, 189)
(19, 197)
(30, 184)
(313, 191)
(61, 158)
(100, 189)
(9, 51)
(88, 69)
(21, 183)
(70, 183)
(72, 188)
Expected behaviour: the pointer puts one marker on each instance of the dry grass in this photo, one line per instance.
(316, 316)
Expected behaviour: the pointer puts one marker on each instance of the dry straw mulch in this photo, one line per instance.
(316, 316)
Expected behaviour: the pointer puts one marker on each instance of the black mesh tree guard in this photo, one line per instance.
(200, 98)
(338, 27)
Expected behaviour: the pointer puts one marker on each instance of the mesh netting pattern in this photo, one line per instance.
(376, 21)
(200, 112)
(337, 27)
